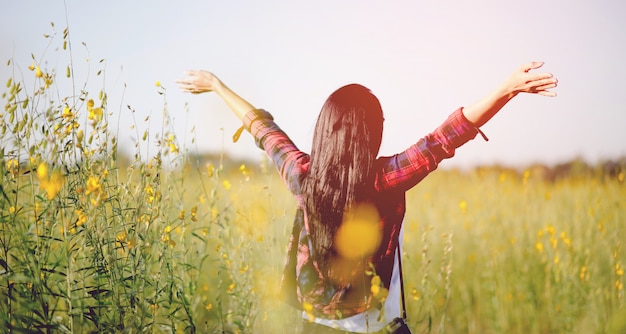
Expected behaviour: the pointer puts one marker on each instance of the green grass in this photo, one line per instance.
(92, 241)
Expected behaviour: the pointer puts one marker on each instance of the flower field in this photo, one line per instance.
(173, 242)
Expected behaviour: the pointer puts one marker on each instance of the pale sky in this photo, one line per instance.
(423, 59)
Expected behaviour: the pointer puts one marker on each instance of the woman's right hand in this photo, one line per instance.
(198, 81)
(523, 81)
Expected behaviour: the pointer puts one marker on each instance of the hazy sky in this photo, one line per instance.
(423, 59)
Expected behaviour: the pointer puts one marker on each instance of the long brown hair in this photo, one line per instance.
(346, 141)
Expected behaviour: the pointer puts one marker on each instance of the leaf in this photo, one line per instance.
(3, 263)
(197, 236)
(54, 271)
(97, 292)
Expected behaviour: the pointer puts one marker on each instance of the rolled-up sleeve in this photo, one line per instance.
(404, 170)
(290, 162)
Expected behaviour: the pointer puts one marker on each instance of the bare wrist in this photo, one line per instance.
(506, 92)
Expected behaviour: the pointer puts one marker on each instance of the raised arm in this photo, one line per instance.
(521, 81)
(198, 82)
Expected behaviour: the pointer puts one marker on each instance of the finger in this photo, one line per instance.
(187, 87)
(532, 65)
(547, 93)
(543, 81)
(545, 87)
(184, 84)
(540, 76)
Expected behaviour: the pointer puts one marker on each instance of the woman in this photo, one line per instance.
(342, 267)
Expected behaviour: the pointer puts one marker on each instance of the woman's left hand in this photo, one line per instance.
(198, 82)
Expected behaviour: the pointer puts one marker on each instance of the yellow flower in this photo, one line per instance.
(53, 186)
(539, 247)
(121, 237)
(308, 308)
(93, 186)
(502, 177)
(226, 184)
(158, 84)
(583, 272)
(415, 294)
(12, 163)
(95, 114)
(194, 210)
(67, 113)
(360, 234)
(51, 183)
(150, 192)
(82, 218)
(48, 81)
(167, 229)
(554, 242)
(375, 289)
(375, 280)
(38, 72)
(463, 206)
(42, 171)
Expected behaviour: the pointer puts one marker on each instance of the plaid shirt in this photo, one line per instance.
(302, 282)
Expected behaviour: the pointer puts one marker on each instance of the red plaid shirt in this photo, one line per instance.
(302, 282)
